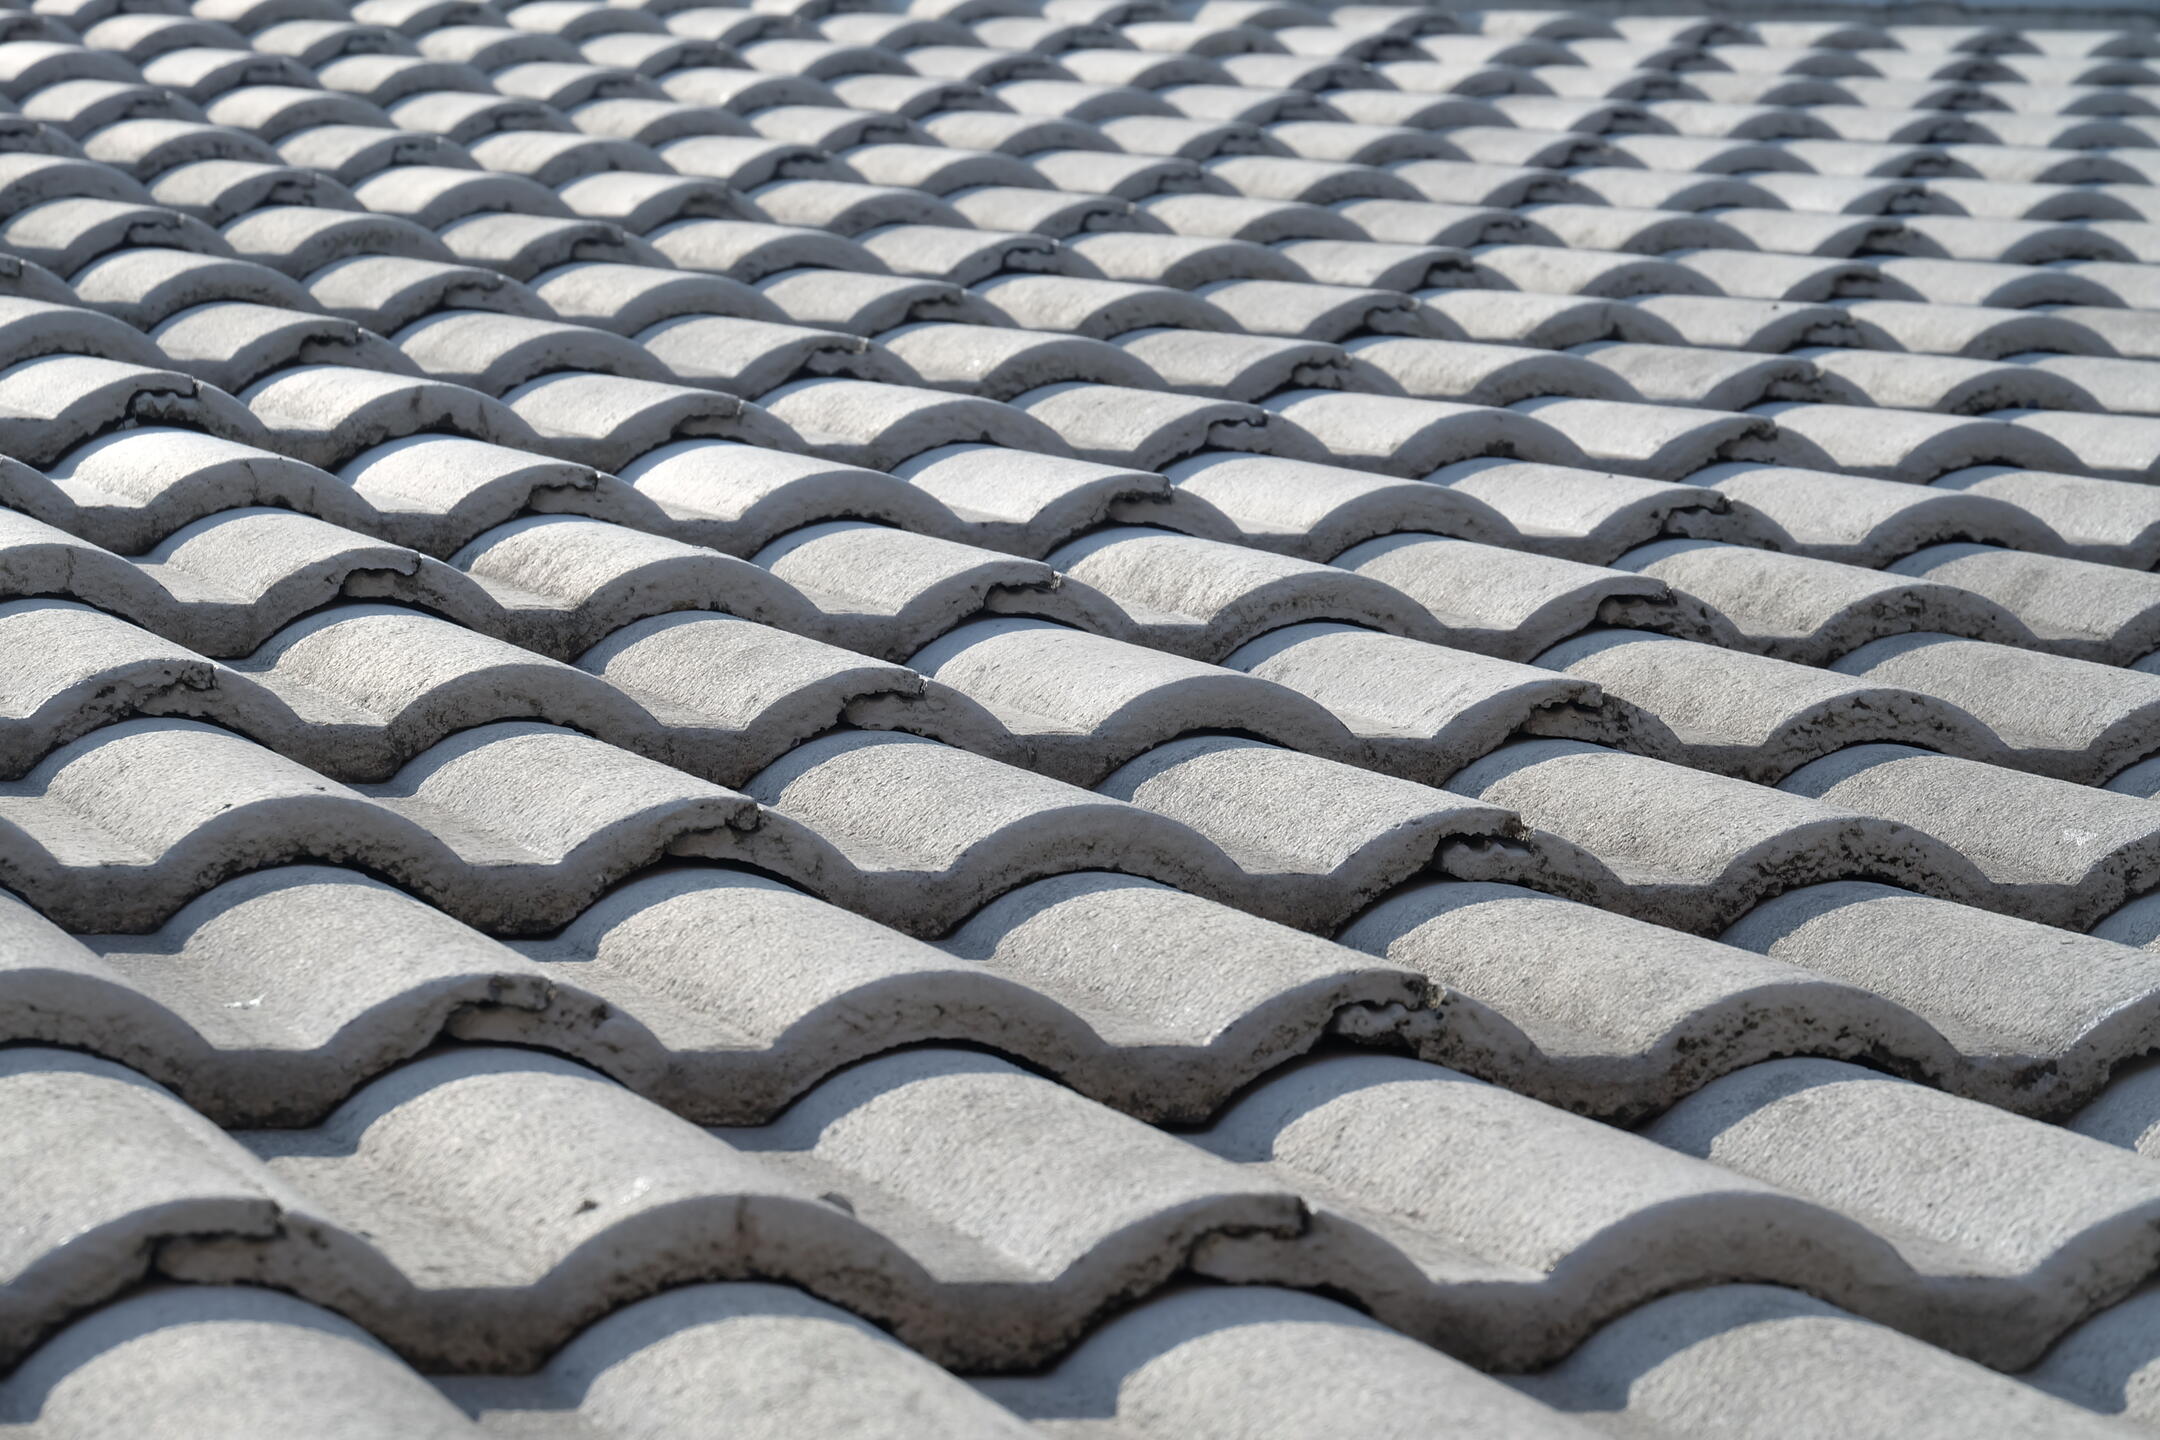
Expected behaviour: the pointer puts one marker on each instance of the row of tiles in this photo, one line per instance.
(1340, 269)
(1206, 1364)
(1237, 341)
(1195, 584)
(415, 16)
(921, 834)
(724, 995)
(1320, 662)
(887, 1188)
(1734, 1362)
(136, 490)
(1828, 132)
(215, 175)
(233, 323)
(1289, 29)
(824, 45)
(1409, 35)
(1064, 404)
(1239, 338)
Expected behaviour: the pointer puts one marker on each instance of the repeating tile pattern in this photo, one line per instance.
(1139, 719)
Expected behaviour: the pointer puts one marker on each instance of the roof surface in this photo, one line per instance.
(1100, 718)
